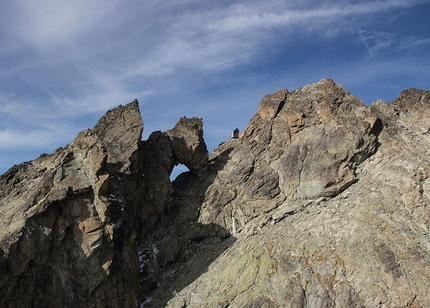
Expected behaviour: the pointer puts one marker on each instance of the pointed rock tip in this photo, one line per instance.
(118, 129)
(327, 81)
(129, 112)
(325, 84)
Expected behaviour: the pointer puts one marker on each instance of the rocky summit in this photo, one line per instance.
(321, 202)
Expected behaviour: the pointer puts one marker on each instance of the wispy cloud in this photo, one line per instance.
(219, 38)
(363, 39)
(414, 41)
(46, 23)
(373, 40)
(33, 139)
(204, 38)
(61, 61)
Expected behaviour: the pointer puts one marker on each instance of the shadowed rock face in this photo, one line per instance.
(321, 202)
(161, 153)
(187, 143)
(62, 234)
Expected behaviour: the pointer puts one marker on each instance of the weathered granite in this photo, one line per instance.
(321, 202)
(61, 215)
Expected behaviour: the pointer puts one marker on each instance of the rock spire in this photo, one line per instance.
(321, 202)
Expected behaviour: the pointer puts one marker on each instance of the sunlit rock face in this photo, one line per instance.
(320, 202)
(299, 147)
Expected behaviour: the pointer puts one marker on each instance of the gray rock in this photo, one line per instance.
(62, 231)
(350, 224)
(321, 202)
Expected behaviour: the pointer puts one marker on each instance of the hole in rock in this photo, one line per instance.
(177, 170)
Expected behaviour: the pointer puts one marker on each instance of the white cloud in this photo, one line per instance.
(92, 103)
(75, 58)
(374, 40)
(220, 38)
(91, 33)
(46, 22)
(16, 139)
(414, 41)
(61, 108)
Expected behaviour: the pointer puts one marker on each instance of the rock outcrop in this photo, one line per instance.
(72, 223)
(326, 200)
(321, 202)
(161, 153)
(187, 143)
(299, 148)
(63, 238)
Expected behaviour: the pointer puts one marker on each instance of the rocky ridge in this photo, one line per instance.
(321, 202)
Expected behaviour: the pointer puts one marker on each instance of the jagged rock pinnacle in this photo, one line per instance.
(321, 202)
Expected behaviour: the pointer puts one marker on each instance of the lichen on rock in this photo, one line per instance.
(321, 202)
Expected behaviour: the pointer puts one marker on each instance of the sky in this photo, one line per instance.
(63, 64)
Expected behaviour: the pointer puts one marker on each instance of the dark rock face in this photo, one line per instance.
(187, 142)
(73, 222)
(169, 226)
(161, 153)
(321, 202)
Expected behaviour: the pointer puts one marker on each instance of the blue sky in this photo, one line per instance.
(63, 64)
